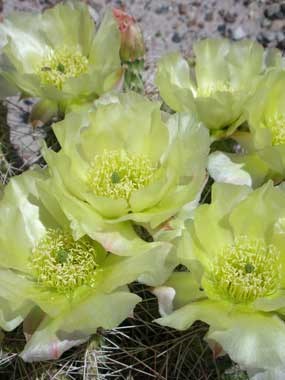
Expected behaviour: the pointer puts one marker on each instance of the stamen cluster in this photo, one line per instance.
(247, 270)
(60, 65)
(276, 124)
(61, 263)
(116, 174)
(212, 88)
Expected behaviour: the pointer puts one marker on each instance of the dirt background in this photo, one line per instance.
(167, 25)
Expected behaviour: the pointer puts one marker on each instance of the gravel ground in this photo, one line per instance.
(172, 24)
(167, 25)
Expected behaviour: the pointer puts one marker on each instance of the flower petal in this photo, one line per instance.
(254, 340)
(73, 327)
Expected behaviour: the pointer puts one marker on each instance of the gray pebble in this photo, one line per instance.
(268, 36)
(162, 10)
(280, 36)
(265, 22)
(209, 16)
(239, 33)
(230, 17)
(273, 12)
(176, 37)
(182, 9)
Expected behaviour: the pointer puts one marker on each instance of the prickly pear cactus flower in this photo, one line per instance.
(126, 161)
(217, 88)
(62, 288)
(262, 148)
(132, 43)
(58, 56)
(234, 249)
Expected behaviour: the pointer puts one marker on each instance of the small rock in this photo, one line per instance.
(162, 10)
(191, 23)
(273, 12)
(176, 38)
(280, 36)
(209, 16)
(221, 12)
(268, 36)
(265, 22)
(182, 9)
(222, 29)
(281, 45)
(277, 25)
(239, 33)
(230, 17)
(175, 26)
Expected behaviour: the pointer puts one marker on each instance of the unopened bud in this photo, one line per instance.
(132, 43)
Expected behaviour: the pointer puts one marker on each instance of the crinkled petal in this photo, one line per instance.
(14, 302)
(152, 264)
(22, 220)
(255, 215)
(105, 50)
(180, 289)
(68, 24)
(211, 51)
(24, 45)
(254, 340)
(211, 312)
(174, 83)
(222, 109)
(75, 325)
(271, 374)
(222, 169)
(210, 221)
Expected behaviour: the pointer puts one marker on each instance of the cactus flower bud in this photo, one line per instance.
(132, 43)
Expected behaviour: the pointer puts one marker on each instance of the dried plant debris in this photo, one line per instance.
(10, 161)
(137, 350)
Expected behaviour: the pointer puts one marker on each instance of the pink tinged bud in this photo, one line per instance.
(132, 43)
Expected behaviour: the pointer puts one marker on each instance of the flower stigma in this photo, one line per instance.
(63, 264)
(60, 65)
(116, 174)
(246, 270)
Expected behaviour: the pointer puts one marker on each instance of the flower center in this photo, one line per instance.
(60, 65)
(246, 270)
(116, 175)
(61, 263)
(277, 126)
(211, 88)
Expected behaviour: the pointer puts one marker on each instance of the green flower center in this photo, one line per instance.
(246, 270)
(211, 88)
(61, 263)
(116, 175)
(60, 65)
(277, 126)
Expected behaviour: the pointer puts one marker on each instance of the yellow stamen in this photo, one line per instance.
(210, 89)
(115, 174)
(276, 124)
(246, 270)
(63, 264)
(60, 65)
